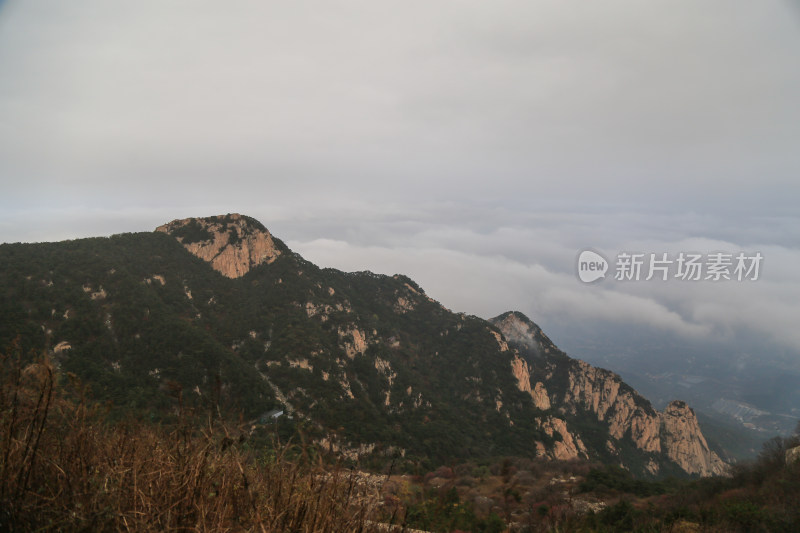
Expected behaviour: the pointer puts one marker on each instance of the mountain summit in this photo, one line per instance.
(233, 244)
(216, 313)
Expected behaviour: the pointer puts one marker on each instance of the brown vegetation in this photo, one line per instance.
(62, 467)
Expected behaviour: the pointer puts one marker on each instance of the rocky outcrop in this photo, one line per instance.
(567, 445)
(519, 368)
(792, 455)
(675, 433)
(232, 244)
(353, 341)
(578, 389)
(62, 347)
(521, 372)
(540, 397)
(602, 392)
(684, 443)
(517, 328)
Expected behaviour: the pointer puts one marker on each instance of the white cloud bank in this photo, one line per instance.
(532, 270)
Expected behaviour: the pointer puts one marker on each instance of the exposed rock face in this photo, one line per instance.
(599, 391)
(684, 443)
(62, 347)
(232, 244)
(540, 398)
(403, 305)
(578, 389)
(521, 371)
(570, 446)
(519, 367)
(792, 455)
(517, 328)
(501, 343)
(301, 363)
(353, 340)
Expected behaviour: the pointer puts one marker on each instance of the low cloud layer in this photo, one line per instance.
(532, 269)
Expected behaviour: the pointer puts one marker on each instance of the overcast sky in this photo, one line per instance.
(475, 146)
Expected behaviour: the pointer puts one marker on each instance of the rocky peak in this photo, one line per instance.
(518, 328)
(233, 244)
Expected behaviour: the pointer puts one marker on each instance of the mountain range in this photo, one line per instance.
(217, 313)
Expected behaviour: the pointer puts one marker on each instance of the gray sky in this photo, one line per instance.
(476, 146)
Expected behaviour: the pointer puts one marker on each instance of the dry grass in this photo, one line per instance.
(63, 468)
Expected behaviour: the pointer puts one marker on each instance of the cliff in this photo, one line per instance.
(577, 389)
(684, 443)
